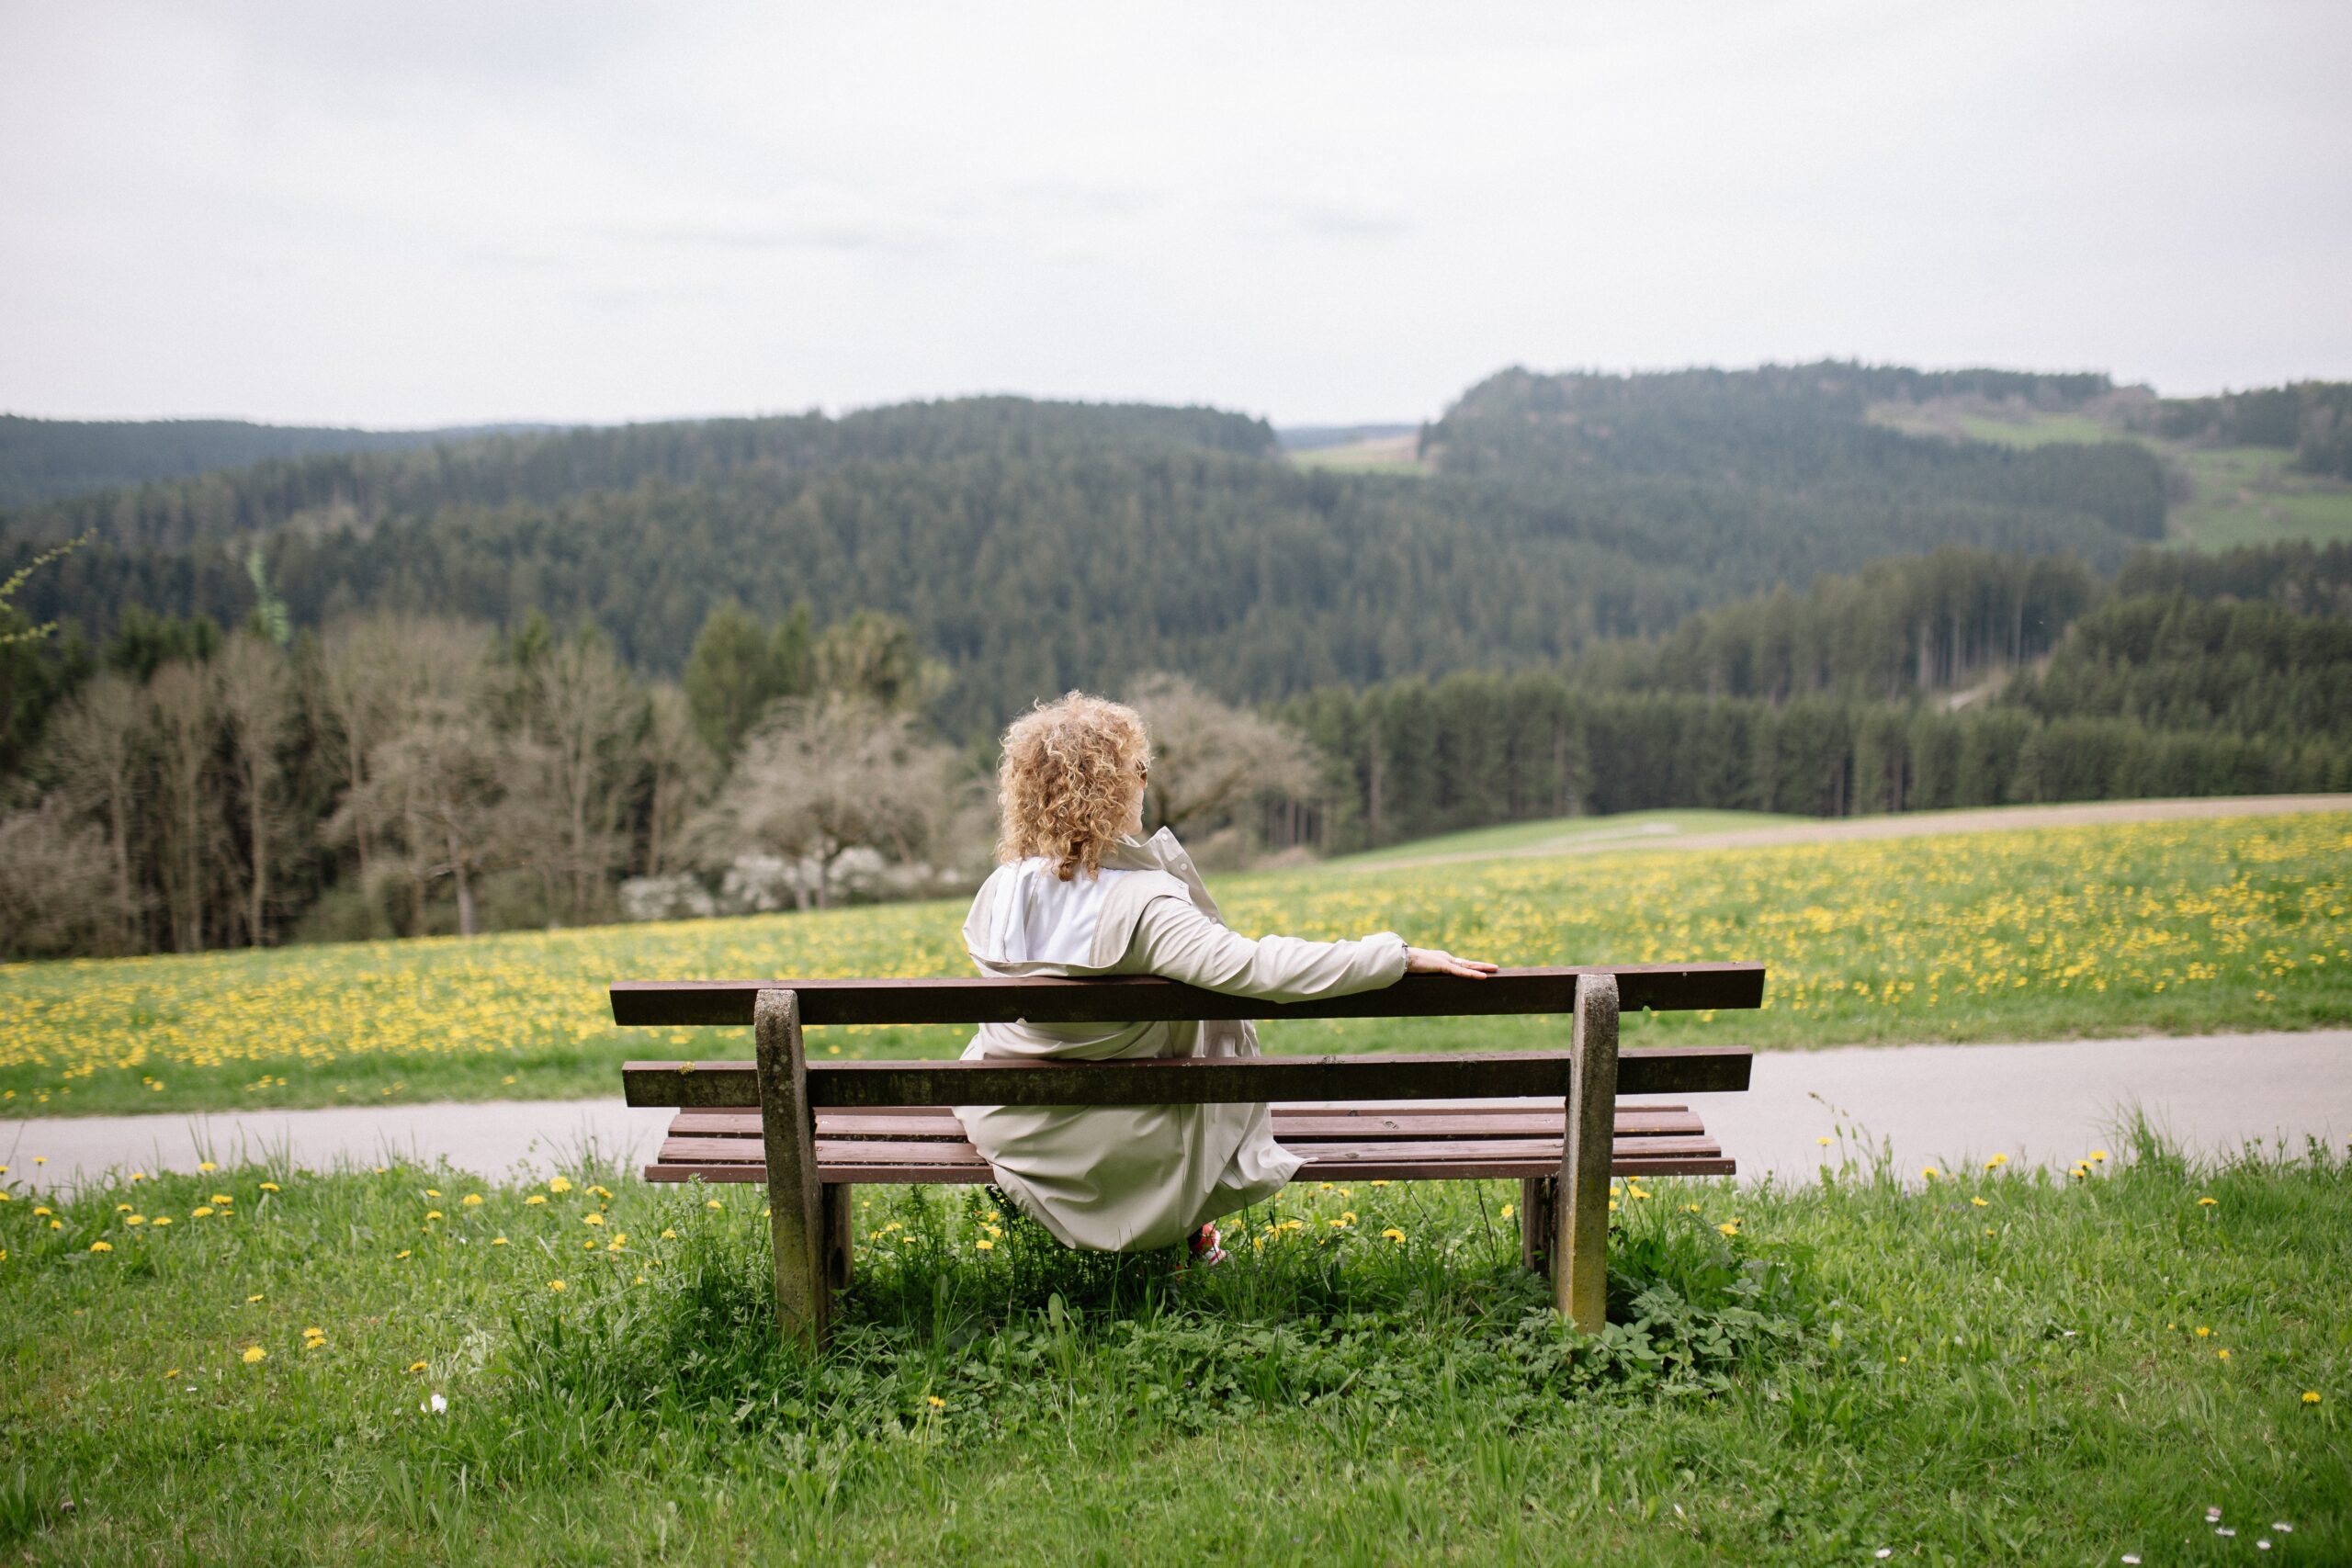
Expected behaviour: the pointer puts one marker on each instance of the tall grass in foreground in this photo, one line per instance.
(1973, 1367)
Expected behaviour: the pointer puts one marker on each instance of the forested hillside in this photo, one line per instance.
(1034, 547)
(46, 459)
(2193, 677)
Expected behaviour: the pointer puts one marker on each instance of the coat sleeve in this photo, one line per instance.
(1175, 940)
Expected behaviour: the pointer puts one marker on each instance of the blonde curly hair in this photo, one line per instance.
(1070, 772)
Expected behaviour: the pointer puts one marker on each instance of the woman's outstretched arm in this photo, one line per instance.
(1175, 940)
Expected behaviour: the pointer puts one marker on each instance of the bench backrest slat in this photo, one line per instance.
(1661, 987)
(1193, 1080)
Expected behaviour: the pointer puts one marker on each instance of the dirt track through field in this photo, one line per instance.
(1661, 836)
(2040, 1104)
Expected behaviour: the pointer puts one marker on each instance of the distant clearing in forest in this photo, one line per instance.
(1381, 454)
(2236, 495)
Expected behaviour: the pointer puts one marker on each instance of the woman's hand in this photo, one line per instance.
(1437, 961)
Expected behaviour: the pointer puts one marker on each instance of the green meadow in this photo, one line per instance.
(2179, 928)
(410, 1365)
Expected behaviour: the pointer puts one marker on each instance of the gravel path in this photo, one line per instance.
(2041, 1104)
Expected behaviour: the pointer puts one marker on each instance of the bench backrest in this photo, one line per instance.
(1188, 1081)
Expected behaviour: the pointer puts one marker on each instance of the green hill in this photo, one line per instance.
(1038, 546)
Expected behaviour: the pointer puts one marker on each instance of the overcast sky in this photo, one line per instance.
(423, 214)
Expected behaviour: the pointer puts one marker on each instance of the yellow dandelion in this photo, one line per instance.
(1930, 1171)
(668, 1234)
(2207, 1202)
(205, 1166)
(40, 1211)
(2225, 1355)
(254, 1354)
(432, 1214)
(123, 1208)
(558, 1185)
(1980, 1202)
(200, 1212)
(433, 1193)
(638, 1280)
(416, 1366)
(2098, 1154)
(1823, 1142)
(1508, 1211)
(136, 1220)
(2310, 1396)
(269, 1186)
(1996, 1162)
(535, 1200)
(555, 1284)
(254, 1297)
(222, 1198)
(934, 1402)
(983, 1244)
(2203, 1332)
(713, 1203)
(498, 1241)
(161, 1220)
(1393, 1234)
(1729, 1228)
(102, 1246)
(171, 1374)
(402, 1253)
(592, 1219)
(471, 1201)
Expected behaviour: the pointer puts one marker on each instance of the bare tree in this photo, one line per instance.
(678, 769)
(820, 777)
(1210, 759)
(423, 768)
(179, 701)
(256, 691)
(579, 706)
(57, 892)
(95, 744)
(373, 669)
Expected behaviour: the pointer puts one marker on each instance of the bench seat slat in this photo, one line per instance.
(1193, 1080)
(1289, 1126)
(951, 1161)
(1411, 1162)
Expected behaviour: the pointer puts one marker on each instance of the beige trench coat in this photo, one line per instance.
(1115, 1178)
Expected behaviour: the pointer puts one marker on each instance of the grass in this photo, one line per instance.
(1573, 834)
(1382, 455)
(2252, 495)
(1983, 1367)
(2180, 928)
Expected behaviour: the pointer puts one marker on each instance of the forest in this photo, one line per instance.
(535, 677)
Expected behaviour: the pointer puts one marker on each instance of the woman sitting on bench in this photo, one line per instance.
(1081, 893)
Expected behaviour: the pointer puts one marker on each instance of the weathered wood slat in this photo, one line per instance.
(841, 1153)
(1434, 1123)
(1662, 988)
(1193, 1080)
(1427, 1166)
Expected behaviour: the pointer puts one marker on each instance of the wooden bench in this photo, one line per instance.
(810, 1131)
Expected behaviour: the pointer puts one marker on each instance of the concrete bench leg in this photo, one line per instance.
(796, 1200)
(1580, 1245)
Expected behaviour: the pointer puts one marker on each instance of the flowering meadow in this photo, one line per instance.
(2143, 1360)
(2167, 927)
